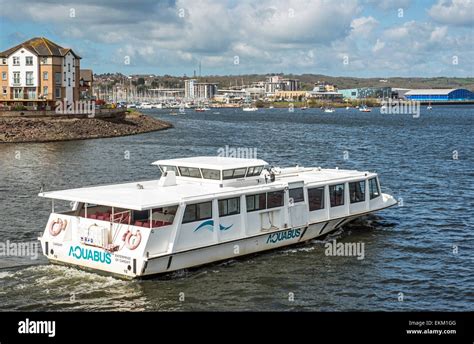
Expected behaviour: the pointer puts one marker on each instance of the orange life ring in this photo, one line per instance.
(57, 226)
(133, 240)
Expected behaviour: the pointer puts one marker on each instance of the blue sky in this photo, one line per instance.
(364, 38)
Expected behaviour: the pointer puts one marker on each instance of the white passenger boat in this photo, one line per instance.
(250, 108)
(202, 210)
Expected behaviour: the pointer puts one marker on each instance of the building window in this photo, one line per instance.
(357, 191)
(256, 202)
(29, 60)
(373, 188)
(31, 93)
(336, 194)
(4, 75)
(69, 82)
(316, 198)
(57, 78)
(16, 60)
(16, 77)
(211, 174)
(4, 61)
(45, 76)
(69, 67)
(197, 212)
(45, 90)
(297, 194)
(58, 92)
(17, 94)
(4, 90)
(73, 77)
(229, 206)
(44, 60)
(29, 78)
(275, 199)
(64, 76)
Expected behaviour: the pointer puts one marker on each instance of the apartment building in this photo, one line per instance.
(37, 73)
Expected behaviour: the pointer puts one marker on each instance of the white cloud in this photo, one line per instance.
(364, 26)
(454, 12)
(379, 45)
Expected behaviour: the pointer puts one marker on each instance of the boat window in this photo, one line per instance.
(211, 174)
(190, 172)
(240, 172)
(227, 174)
(163, 216)
(166, 168)
(373, 188)
(297, 195)
(256, 202)
(275, 199)
(235, 173)
(316, 198)
(254, 171)
(197, 212)
(336, 194)
(357, 191)
(229, 206)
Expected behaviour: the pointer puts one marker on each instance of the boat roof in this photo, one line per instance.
(212, 162)
(145, 195)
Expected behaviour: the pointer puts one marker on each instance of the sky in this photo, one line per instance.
(360, 38)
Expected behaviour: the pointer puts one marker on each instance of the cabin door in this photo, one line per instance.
(297, 206)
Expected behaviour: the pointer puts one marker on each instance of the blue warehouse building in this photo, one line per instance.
(440, 95)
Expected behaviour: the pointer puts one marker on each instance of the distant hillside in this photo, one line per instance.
(307, 81)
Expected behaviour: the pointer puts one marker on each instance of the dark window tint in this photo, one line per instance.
(229, 206)
(210, 174)
(316, 198)
(275, 199)
(357, 191)
(256, 202)
(190, 172)
(197, 212)
(336, 194)
(373, 188)
(297, 195)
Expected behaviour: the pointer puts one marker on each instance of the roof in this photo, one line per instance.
(86, 74)
(212, 162)
(41, 46)
(144, 195)
(422, 92)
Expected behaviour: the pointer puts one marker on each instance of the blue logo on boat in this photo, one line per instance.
(209, 225)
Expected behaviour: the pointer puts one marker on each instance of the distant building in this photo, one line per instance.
(366, 92)
(324, 87)
(189, 88)
(86, 78)
(277, 83)
(199, 90)
(334, 96)
(37, 73)
(294, 95)
(434, 95)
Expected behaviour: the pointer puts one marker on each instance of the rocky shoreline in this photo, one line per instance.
(48, 129)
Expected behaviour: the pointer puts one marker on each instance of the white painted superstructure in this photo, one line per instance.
(202, 210)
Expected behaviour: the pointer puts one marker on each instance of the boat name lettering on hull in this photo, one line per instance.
(280, 236)
(88, 254)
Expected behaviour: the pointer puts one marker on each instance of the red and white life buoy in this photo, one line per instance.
(132, 241)
(57, 226)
